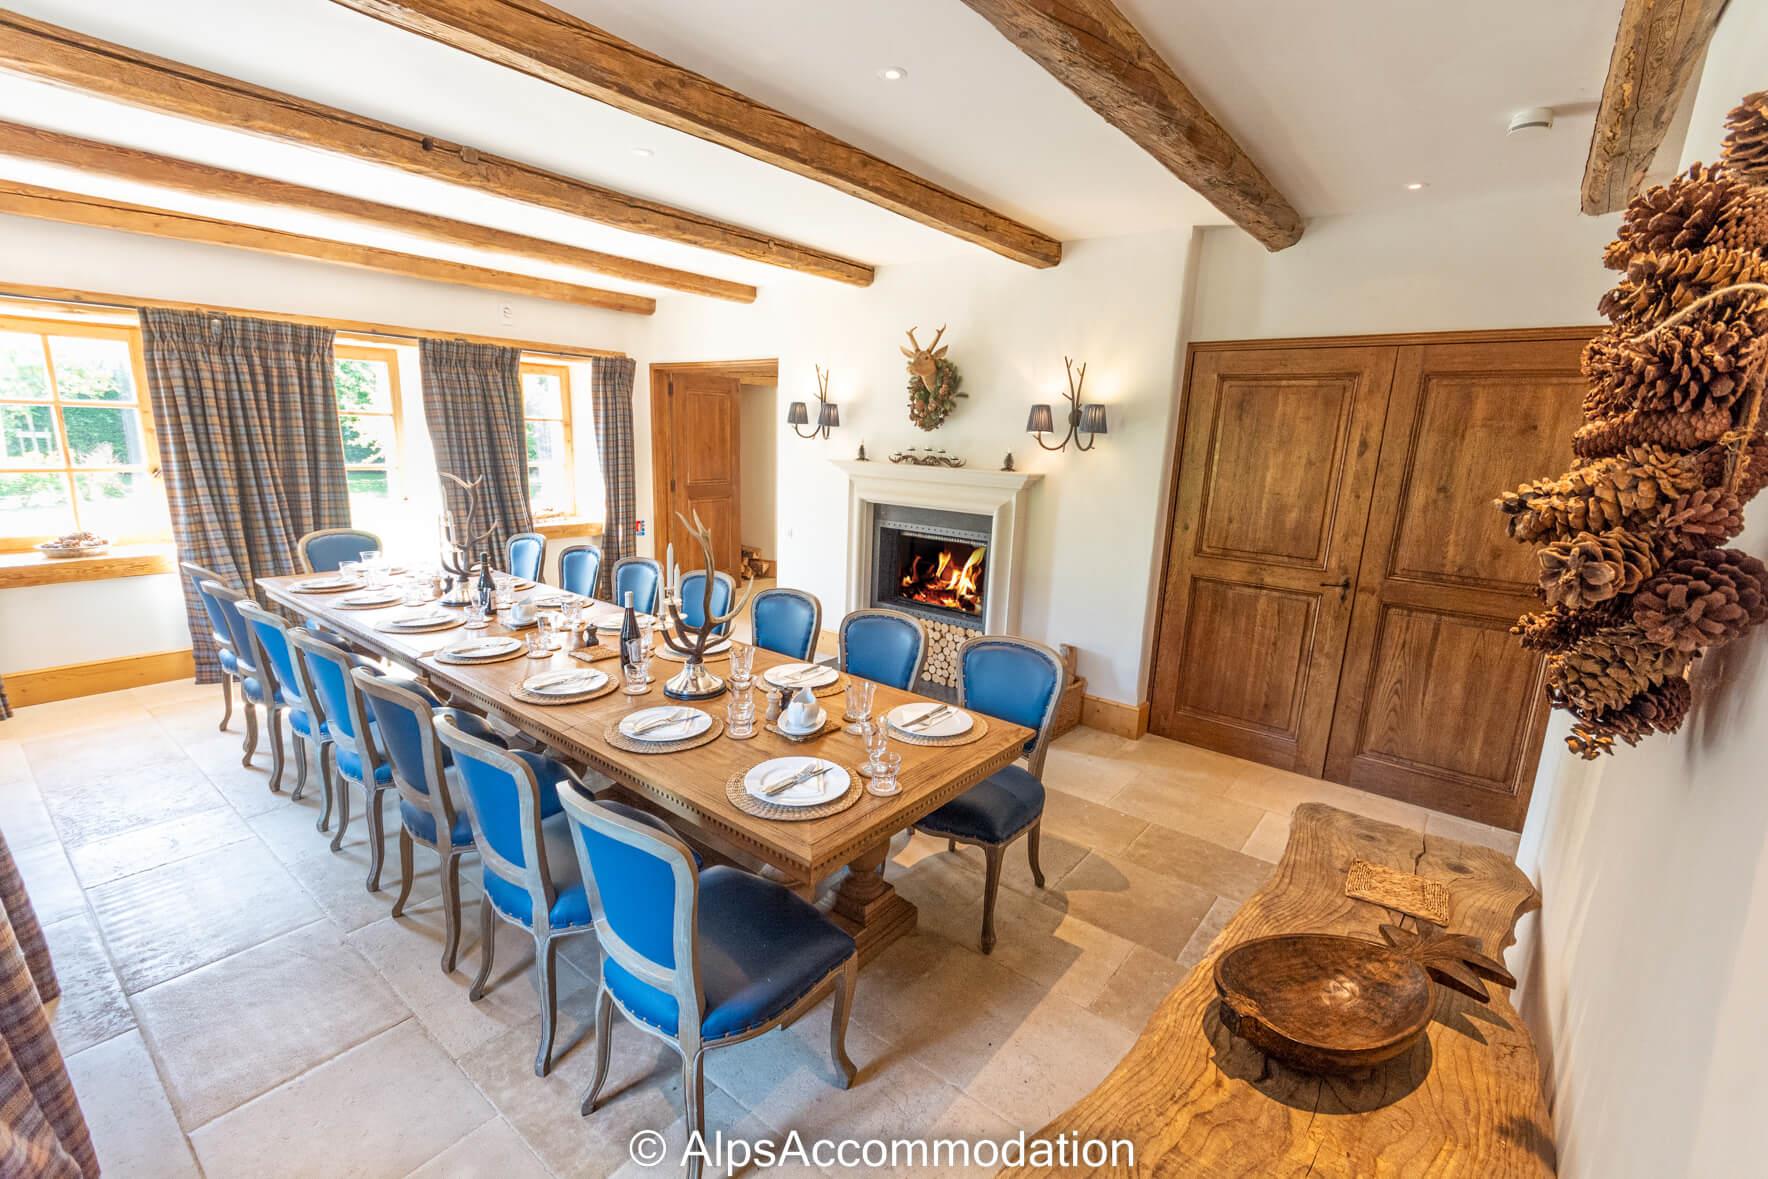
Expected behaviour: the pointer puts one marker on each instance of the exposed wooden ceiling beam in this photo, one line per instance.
(128, 163)
(54, 54)
(1657, 47)
(73, 208)
(1092, 48)
(555, 46)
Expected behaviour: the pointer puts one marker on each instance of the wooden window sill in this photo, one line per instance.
(18, 570)
(552, 529)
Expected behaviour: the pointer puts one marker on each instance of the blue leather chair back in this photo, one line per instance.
(325, 550)
(883, 645)
(402, 719)
(641, 576)
(693, 597)
(239, 639)
(787, 621)
(526, 555)
(1014, 679)
(580, 567)
(272, 643)
(503, 794)
(217, 622)
(335, 698)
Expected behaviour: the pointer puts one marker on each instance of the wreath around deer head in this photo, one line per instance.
(933, 382)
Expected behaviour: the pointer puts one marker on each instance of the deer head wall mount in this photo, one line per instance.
(933, 382)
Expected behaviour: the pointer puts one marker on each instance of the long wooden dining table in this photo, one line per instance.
(690, 784)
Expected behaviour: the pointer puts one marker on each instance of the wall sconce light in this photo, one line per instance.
(828, 414)
(1082, 419)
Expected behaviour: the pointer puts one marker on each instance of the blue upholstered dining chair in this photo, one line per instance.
(1020, 681)
(218, 629)
(326, 549)
(700, 960)
(642, 577)
(693, 597)
(525, 556)
(787, 621)
(404, 725)
(887, 646)
(580, 567)
(528, 870)
(282, 685)
(251, 688)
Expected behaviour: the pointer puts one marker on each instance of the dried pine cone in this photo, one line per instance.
(1674, 431)
(1711, 466)
(1745, 154)
(1705, 206)
(1659, 709)
(1660, 284)
(1700, 519)
(1594, 567)
(1609, 668)
(1703, 600)
(1558, 629)
(1687, 366)
(1629, 487)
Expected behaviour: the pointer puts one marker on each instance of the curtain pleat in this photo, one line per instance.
(473, 407)
(247, 421)
(610, 388)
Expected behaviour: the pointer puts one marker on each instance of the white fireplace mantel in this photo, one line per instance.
(999, 495)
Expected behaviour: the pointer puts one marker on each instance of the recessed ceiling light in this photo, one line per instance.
(1416, 185)
(893, 73)
(643, 153)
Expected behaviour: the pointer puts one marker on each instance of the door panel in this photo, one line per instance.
(703, 470)
(1438, 704)
(1277, 465)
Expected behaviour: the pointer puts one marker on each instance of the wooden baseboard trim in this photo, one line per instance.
(1112, 716)
(44, 684)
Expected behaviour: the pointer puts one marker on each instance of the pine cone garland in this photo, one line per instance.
(1559, 629)
(1703, 600)
(1706, 361)
(1674, 431)
(1609, 668)
(1659, 284)
(1745, 154)
(1699, 519)
(1630, 487)
(1594, 567)
(1710, 464)
(1661, 708)
(1705, 206)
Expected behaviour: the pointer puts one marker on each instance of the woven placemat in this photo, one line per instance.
(743, 801)
(830, 689)
(613, 736)
(830, 725)
(1392, 889)
(469, 661)
(527, 697)
(389, 628)
(976, 733)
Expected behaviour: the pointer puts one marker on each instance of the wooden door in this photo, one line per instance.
(1277, 463)
(700, 452)
(1438, 704)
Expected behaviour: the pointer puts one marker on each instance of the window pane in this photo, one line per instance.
(542, 395)
(549, 479)
(364, 385)
(103, 437)
(34, 504)
(22, 371)
(29, 438)
(368, 440)
(88, 369)
(121, 503)
(372, 505)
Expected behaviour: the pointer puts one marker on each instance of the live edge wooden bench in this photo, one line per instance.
(1467, 1101)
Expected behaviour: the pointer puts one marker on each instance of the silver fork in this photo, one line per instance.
(927, 718)
(661, 722)
(808, 774)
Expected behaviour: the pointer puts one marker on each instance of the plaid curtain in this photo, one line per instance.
(473, 406)
(610, 385)
(5, 708)
(42, 1132)
(248, 427)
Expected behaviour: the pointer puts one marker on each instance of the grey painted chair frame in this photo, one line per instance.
(614, 580)
(193, 571)
(509, 548)
(321, 534)
(898, 615)
(684, 982)
(578, 547)
(267, 676)
(249, 747)
(816, 618)
(437, 801)
(362, 745)
(541, 893)
(994, 853)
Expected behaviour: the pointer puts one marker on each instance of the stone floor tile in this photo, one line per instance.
(1185, 806)
(1089, 824)
(50, 882)
(1214, 921)
(1468, 831)
(129, 798)
(92, 1007)
(1134, 902)
(127, 1112)
(493, 1151)
(124, 854)
(1268, 839)
(1209, 866)
(1140, 985)
(1093, 776)
(1281, 791)
(72, 760)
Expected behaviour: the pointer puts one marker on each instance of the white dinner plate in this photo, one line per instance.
(800, 675)
(691, 722)
(830, 786)
(327, 583)
(486, 648)
(565, 683)
(428, 620)
(952, 724)
(373, 598)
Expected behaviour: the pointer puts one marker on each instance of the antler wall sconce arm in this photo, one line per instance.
(1082, 419)
(828, 414)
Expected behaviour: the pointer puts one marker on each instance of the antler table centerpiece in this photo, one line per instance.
(693, 681)
(460, 542)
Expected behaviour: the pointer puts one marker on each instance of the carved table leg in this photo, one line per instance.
(869, 907)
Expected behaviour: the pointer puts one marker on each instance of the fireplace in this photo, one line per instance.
(931, 563)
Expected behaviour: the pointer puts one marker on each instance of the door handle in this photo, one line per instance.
(1342, 583)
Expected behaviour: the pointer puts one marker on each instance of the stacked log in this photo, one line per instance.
(943, 643)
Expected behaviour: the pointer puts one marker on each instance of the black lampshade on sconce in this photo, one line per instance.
(1082, 419)
(828, 414)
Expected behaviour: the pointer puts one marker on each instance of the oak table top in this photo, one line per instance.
(1466, 1101)
(691, 783)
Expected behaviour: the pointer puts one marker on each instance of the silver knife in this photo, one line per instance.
(927, 718)
(809, 773)
(661, 722)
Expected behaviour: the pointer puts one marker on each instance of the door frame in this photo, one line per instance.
(744, 372)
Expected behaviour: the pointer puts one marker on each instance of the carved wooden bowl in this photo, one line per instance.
(1323, 1002)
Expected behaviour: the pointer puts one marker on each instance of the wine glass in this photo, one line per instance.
(877, 736)
(859, 705)
(742, 663)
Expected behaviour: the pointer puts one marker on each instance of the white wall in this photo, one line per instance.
(758, 407)
(1650, 961)
(1114, 303)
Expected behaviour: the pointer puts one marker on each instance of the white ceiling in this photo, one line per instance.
(1343, 104)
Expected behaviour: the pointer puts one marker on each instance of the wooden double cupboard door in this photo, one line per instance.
(1338, 588)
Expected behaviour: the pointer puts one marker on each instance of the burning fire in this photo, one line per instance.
(944, 582)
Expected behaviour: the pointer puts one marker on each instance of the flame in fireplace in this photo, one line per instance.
(945, 581)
